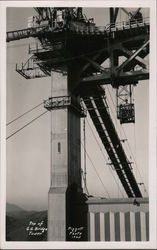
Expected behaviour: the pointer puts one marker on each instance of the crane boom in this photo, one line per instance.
(25, 33)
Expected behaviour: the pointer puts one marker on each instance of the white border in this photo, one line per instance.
(152, 244)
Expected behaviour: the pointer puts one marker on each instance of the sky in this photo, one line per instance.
(28, 151)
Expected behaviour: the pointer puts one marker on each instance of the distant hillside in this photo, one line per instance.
(13, 208)
(24, 225)
(16, 211)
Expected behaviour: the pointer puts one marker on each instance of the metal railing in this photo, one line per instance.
(113, 27)
(127, 24)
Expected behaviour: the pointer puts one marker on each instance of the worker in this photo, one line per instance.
(59, 19)
(79, 14)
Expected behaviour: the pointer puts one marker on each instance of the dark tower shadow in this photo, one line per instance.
(76, 214)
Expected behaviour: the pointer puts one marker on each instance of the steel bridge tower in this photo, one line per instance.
(75, 48)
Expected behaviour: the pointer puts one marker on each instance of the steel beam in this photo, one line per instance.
(116, 14)
(123, 78)
(113, 14)
(96, 65)
(95, 57)
(134, 55)
(133, 15)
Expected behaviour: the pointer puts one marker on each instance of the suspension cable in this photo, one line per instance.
(128, 145)
(93, 167)
(86, 189)
(26, 125)
(51, 88)
(114, 118)
(96, 171)
(24, 114)
(84, 136)
(103, 155)
(135, 163)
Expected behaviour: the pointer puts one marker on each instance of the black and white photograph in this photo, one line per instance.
(78, 116)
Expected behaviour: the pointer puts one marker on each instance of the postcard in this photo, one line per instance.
(78, 124)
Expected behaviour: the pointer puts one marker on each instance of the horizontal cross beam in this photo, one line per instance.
(123, 78)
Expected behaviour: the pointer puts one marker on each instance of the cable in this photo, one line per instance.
(26, 125)
(84, 135)
(135, 149)
(119, 128)
(24, 114)
(114, 118)
(51, 89)
(84, 175)
(93, 166)
(135, 163)
(93, 163)
(96, 171)
(103, 154)
(129, 148)
(128, 145)
(85, 187)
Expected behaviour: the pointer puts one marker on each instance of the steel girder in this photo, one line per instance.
(119, 71)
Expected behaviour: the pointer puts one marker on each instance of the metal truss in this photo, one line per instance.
(134, 68)
(31, 70)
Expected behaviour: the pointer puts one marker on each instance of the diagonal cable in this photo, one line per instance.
(102, 153)
(96, 170)
(24, 114)
(129, 147)
(26, 125)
